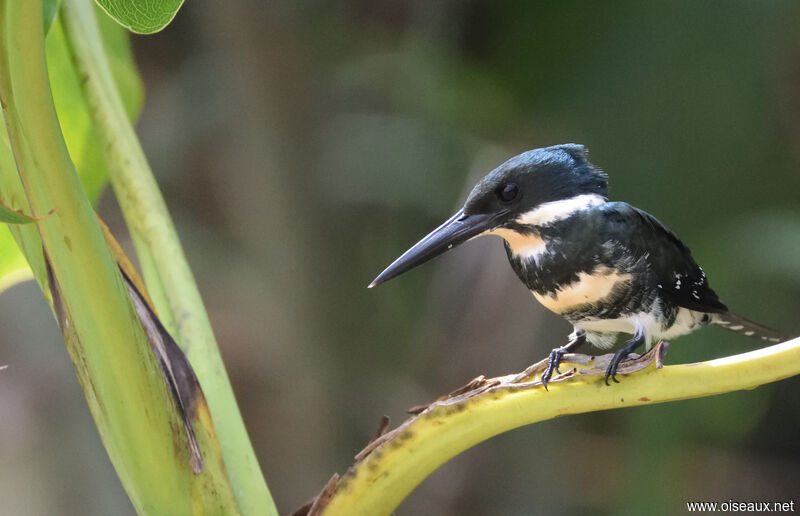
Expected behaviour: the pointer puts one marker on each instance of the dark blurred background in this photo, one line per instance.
(302, 145)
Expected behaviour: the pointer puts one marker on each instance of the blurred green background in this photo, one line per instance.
(303, 145)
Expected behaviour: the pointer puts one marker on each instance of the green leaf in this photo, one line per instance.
(73, 112)
(142, 16)
(50, 10)
(82, 141)
(13, 267)
(12, 216)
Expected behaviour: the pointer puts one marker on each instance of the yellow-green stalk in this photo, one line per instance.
(164, 264)
(377, 484)
(132, 407)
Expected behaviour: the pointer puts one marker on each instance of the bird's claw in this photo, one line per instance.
(611, 372)
(637, 340)
(553, 361)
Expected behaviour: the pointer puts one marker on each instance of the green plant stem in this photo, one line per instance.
(157, 242)
(375, 486)
(131, 405)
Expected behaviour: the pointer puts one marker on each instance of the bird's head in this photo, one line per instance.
(532, 189)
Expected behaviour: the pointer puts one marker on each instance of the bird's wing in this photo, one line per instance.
(679, 277)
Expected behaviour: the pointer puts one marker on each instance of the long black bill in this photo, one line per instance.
(456, 230)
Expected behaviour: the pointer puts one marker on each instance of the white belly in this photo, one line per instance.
(602, 332)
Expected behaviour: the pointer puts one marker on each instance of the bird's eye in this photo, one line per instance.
(508, 192)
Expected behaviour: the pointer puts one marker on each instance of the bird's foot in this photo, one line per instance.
(554, 360)
(637, 340)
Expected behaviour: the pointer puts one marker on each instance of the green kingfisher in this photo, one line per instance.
(606, 267)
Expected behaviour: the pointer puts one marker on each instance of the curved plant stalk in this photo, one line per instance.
(395, 463)
(129, 400)
(77, 130)
(27, 259)
(165, 268)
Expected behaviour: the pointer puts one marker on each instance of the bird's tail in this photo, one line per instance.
(733, 322)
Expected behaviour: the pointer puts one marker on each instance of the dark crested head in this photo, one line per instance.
(536, 177)
(559, 176)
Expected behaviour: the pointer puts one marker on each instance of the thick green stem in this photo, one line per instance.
(400, 461)
(127, 396)
(158, 244)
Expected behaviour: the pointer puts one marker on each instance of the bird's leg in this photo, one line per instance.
(577, 339)
(637, 340)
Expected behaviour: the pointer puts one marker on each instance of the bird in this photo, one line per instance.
(606, 267)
